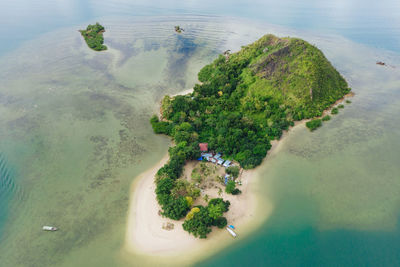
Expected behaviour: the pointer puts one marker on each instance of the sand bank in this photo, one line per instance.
(145, 233)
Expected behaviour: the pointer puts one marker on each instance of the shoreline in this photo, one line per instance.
(144, 230)
(145, 235)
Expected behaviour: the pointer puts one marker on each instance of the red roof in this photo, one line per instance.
(203, 147)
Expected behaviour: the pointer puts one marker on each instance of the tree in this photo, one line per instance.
(163, 189)
(199, 224)
(230, 186)
(160, 127)
(220, 222)
(233, 170)
(215, 211)
(189, 201)
(314, 124)
(175, 208)
(326, 118)
(191, 213)
(221, 202)
(236, 191)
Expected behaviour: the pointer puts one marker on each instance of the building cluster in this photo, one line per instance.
(213, 157)
(217, 159)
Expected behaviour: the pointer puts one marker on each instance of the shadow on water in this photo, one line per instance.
(183, 49)
(289, 238)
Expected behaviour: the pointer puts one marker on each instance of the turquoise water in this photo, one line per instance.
(74, 128)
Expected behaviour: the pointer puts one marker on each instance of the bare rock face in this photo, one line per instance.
(274, 61)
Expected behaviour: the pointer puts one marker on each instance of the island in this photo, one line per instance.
(244, 101)
(93, 36)
(178, 29)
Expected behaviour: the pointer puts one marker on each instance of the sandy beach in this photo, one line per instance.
(145, 234)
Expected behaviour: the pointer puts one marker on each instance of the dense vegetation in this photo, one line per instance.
(326, 118)
(231, 188)
(174, 206)
(334, 111)
(93, 36)
(244, 101)
(200, 219)
(314, 124)
(233, 170)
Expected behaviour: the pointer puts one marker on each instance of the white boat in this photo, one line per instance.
(49, 228)
(231, 231)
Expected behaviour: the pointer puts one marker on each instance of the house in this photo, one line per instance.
(227, 163)
(220, 161)
(206, 156)
(203, 147)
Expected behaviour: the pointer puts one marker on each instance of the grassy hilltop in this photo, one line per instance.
(245, 100)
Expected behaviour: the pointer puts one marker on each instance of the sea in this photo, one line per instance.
(74, 128)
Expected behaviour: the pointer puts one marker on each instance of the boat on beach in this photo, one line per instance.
(231, 231)
(49, 228)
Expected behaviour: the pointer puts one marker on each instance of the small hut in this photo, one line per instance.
(203, 147)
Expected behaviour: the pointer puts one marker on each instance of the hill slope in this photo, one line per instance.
(298, 73)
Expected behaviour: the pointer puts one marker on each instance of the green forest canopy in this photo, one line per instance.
(244, 100)
(93, 36)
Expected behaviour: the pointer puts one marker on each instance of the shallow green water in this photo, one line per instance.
(79, 135)
(74, 133)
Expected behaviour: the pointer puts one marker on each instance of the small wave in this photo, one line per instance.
(8, 187)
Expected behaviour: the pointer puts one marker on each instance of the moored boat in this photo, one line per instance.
(49, 228)
(231, 231)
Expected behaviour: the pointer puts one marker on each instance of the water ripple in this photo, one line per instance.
(10, 193)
